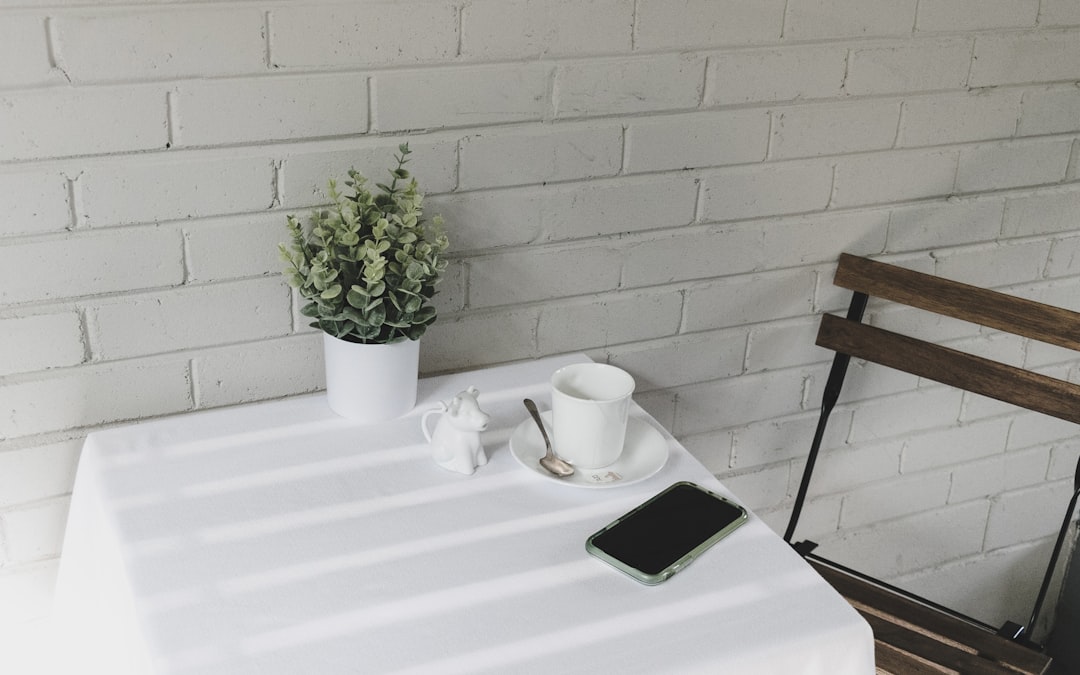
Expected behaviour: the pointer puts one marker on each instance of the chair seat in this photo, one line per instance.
(911, 638)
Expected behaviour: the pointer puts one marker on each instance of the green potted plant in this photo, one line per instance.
(368, 267)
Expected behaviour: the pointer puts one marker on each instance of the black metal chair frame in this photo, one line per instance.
(834, 383)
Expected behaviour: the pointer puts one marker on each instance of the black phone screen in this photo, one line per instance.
(666, 528)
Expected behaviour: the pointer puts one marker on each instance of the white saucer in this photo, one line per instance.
(644, 453)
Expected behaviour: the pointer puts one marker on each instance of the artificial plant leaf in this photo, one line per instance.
(415, 270)
(377, 315)
(357, 296)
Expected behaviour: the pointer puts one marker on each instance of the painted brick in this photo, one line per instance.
(26, 596)
(122, 261)
(452, 292)
(996, 587)
(895, 498)
(539, 156)
(682, 24)
(35, 532)
(34, 201)
(1030, 429)
(1015, 164)
(1040, 355)
(777, 440)
(785, 74)
(519, 28)
(488, 337)
(191, 187)
(976, 407)
(737, 401)
(681, 360)
(92, 395)
(995, 475)
(232, 375)
(491, 219)
(1014, 58)
(843, 469)
(761, 488)
(939, 120)
(64, 121)
(1050, 111)
(767, 190)
(39, 342)
(955, 446)
(1062, 261)
(890, 548)
(916, 65)
(946, 223)
(811, 131)
(813, 19)
(1059, 13)
(819, 519)
(924, 325)
(749, 299)
(1024, 515)
(304, 175)
(711, 449)
(955, 15)
(234, 246)
(213, 112)
(865, 381)
(456, 97)
(537, 274)
(696, 140)
(157, 43)
(996, 265)
(817, 238)
(598, 322)
(317, 35)
(24, 51)
(1062, 294)
(659, 403)
(1063, 459)
(894, 177)
(191, 317)
(694, 254)
(782, 345)
(607, 87)
(29, 474)
(904, 414)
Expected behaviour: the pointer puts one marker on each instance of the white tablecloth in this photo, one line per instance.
(279, 538)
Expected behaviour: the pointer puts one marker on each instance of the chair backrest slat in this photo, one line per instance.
(976, 374)
(1019, 316)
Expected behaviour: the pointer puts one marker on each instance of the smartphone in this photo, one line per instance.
(665, 534)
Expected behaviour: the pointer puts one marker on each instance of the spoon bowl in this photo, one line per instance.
(550, 461)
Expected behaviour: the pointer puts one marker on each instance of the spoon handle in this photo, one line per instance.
(531, 407)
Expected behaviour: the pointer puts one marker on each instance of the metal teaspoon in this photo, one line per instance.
(550, 461)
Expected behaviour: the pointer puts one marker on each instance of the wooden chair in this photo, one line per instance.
(914, 635)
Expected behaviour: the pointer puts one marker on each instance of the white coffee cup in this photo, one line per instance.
(589, 406)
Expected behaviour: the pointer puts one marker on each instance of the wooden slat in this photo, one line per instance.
(935, 651)
(1027, 318)
(889, 659)
(991, 647)
(949, 366)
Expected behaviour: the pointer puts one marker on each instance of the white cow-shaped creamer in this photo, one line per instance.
(455, 443)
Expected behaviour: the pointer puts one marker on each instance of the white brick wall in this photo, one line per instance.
(663, 184)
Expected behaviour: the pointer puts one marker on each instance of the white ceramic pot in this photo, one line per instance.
(371, 383)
